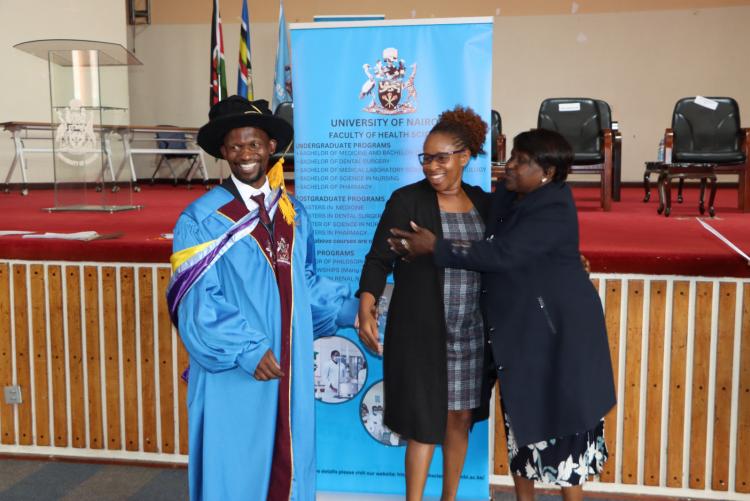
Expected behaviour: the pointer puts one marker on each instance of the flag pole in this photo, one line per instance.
(218, 82)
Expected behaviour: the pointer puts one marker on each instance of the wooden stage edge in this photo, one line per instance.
(98, 362)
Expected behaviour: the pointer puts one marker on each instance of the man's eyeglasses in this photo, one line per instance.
(442, 158)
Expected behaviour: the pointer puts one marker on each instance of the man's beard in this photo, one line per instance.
(253, 178)
(257, 177)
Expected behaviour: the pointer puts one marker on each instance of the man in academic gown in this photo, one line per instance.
(247, 301)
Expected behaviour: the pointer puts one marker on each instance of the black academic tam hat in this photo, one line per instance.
(235, 112)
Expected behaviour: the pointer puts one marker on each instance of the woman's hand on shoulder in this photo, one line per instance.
(412, 244)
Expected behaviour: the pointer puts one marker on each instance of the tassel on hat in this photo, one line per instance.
(276, 180)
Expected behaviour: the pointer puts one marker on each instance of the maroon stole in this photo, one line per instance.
(278, 252)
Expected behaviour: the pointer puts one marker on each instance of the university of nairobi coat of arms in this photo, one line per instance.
(75, 140)
(390, 91)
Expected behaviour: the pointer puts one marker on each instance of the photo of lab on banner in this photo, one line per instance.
(360, 120)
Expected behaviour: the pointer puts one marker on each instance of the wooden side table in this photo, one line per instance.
(667, 172)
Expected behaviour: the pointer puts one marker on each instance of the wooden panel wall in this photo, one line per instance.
(146, 338)
(6, 355)
(94, 352)
(613, 297)
(167, 368)
(654, 383)
(99, 364)
(677, 393)
(683, 414)
(73, 317)
(39, 389)
(94, 355)
(19, 300)
(500, 466)
(631, 400)
(742, 443)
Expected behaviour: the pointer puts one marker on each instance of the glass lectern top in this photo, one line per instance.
(110, 54)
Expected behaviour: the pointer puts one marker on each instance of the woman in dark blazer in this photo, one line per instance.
(433, 354)
(543, 316)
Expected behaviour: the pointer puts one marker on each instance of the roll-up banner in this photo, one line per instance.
(366, 94)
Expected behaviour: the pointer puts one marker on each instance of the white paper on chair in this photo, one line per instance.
(4, 233)
(80, 235)
(569, 107)
(706, 102)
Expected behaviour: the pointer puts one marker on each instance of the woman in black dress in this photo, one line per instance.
(543, 316)
(433, 353)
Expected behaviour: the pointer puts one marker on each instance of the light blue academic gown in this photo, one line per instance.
(227, 321)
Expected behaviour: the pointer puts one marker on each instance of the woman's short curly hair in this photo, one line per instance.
(548, 149)
(468, 128)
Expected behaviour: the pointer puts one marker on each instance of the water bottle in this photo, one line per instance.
(660, 156)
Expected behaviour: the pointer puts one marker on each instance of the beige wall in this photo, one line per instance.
(640, 61)
(197, 11)
(24, 79)
(171, 87)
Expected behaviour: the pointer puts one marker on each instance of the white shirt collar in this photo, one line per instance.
(246, 192)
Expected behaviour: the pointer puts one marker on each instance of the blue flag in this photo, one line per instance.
(282, 80)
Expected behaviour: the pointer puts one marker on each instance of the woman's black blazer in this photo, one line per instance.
(542, 313)
(414, 358)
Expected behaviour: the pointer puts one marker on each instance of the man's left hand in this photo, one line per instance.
(412, 244)
(268, 368)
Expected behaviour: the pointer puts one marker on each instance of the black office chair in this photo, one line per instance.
(497, 144)
(285, 111)
(605, 112)
(580, 121)
(707, 131)
(173, 141)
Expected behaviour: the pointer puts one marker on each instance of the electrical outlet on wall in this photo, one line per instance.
(12, 394)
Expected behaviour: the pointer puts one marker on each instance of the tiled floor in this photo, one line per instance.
(22, 480)
(38, 480)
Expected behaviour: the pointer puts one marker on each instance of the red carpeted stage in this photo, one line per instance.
(85, 332)
(632, 238)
